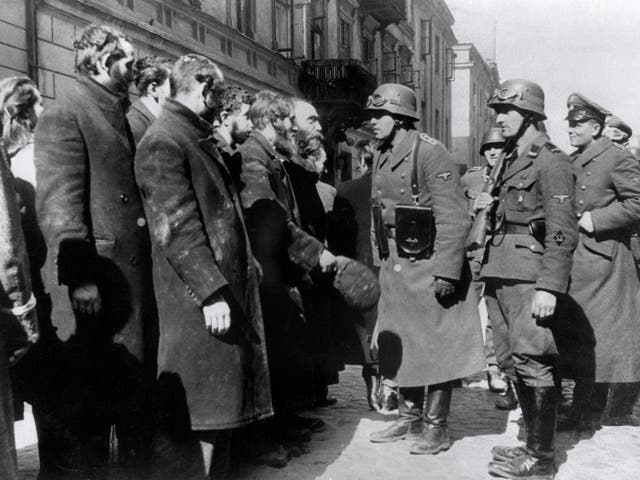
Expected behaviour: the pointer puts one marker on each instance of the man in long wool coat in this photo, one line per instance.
(212, 363)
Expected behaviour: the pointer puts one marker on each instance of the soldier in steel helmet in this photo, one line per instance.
(428, 325)
(526, 269)
(473, 182)
(617, 130)
(604, 278)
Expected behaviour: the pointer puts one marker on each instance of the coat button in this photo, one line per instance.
(579, 215)
(141, 222)
(124, 198)
(588, 173)
(402, 191)
(583, 187)
(532, 246)
(580, 202)
(520, 184)
(402, 175)
(134, 260)
(397, 267)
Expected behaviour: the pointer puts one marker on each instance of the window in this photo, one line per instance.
(446, 132)
(252, 59)
(425, 37)
(283, 13)
(198, 32)
(317, 38)
(437, 55)
(164, 15)
(437, 124)
(127, 3)
(246, 16)
(345, 34)
(449, 59)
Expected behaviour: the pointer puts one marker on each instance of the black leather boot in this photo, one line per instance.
(435, 434)
(537, 461)
(508, 400)
(504, 453)
(409, 422)
(620, 402)
(579, 417)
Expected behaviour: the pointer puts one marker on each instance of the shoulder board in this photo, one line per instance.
(426, 138)
(552, 147)
(534, 150)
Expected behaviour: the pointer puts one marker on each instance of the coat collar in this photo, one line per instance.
(403, 146)
(261, 140)
(593, 150)
(202, 127)
(144, 111)
(529, 152)
(102, 96)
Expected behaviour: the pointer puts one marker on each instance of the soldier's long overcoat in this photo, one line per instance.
(91, 215)
(200, 247)
(423, 340)
(604, 278)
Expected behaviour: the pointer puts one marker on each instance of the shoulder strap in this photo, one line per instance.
(415, 189)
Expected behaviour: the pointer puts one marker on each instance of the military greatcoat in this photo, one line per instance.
(604, 278)
(422, 340)
(201, 248)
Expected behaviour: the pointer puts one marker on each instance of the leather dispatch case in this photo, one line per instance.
(415, 224)
(415, 231)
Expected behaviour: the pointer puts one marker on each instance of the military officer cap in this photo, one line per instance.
(616, 122)
(356, 283)
(582, 109)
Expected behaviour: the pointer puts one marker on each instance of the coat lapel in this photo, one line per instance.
(593, 150)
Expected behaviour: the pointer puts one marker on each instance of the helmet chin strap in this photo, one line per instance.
(512, 142)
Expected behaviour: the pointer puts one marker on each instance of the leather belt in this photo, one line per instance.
(515, 229)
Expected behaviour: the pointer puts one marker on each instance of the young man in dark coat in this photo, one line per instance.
(98, 270)
(212, 346)
(285, 251)
(152, 81)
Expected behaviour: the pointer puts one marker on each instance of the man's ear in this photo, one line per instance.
(224, 116)
(152, 90)
(102, 64)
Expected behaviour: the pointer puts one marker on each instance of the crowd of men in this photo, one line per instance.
(190, 273)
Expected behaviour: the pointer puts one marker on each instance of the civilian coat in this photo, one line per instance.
(91, 216)
(604, 278)
(423, 340)
(273, 223)
(140, 119)
(201, 248)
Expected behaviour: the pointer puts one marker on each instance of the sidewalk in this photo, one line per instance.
(343, 451)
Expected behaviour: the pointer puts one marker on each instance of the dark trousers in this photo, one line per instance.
(8, 460)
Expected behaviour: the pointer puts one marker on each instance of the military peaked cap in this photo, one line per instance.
(616, 122)
(582, 109)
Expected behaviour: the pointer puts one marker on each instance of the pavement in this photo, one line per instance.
(343, 450)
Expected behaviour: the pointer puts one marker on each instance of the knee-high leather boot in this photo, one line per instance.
(435, 434)
(504, 453)
(536, 462)
(579, 418)
(409, 422)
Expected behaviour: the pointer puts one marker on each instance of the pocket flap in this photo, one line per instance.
(604, 248)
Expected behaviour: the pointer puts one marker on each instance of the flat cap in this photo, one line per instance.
(356, 283)
(582, 109)
(616, 122)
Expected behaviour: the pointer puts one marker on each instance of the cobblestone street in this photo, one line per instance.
(343, 451)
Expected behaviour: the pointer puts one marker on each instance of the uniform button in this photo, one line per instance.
(520, 184)
(379, 192)
(124, 198)
(579, 215)
(397, 267)
(402, 175)
(134, 260)
(583, 187)
(402, 191)
(588, 173)
(580, 202)
(532, 246)
(141, 222)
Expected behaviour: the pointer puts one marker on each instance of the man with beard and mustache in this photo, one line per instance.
(213, 373)
(304, 170)
(98, 270)
(233, 129)
(286, 253)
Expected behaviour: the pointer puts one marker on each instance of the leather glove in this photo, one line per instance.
(444, 288)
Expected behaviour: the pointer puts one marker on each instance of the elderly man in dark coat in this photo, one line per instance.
(285, 252)
(99, 267)
(212, 346)
(428, 323)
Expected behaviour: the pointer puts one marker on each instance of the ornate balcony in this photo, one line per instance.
(336, 81)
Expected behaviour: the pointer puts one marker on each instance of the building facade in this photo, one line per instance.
(475, 81)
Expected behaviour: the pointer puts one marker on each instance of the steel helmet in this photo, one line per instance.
(521, 94)
(491, 137)
(394, 98)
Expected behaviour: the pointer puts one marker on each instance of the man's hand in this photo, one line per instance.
(85, 299)
(327, 261)
(482, 201)
(217, 315)
(586, 223)
(543, 306)
(444, 288)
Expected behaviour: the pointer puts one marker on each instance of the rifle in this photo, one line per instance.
(484, 222)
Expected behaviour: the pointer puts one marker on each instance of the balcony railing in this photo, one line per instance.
(384, 11)
(336, 81)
